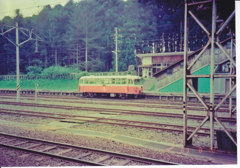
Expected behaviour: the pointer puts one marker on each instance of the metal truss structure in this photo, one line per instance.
(213, 42)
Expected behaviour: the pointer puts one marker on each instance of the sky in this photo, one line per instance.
(27, 7)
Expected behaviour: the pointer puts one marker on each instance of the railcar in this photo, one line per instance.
(112, 86)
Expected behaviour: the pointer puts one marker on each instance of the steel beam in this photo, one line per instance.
(199, 23)
(198, 76)
(7, 31)
(212, 63)
(213, 40)
(224, 76)
(199, 3)
(185, 133)
(199, 55)
(198, 96)
(234, 110)
(225, 23)
(225, 130)
(198, 127)
(225, 98)
(230, 80)
(225, 52)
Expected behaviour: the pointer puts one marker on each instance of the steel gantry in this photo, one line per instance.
(212, 43)
(27, 33)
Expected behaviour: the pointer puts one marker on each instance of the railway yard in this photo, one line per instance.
(68, 130)
(119, 83)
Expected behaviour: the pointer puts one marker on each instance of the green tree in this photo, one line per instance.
(137, 24)
(86, 27)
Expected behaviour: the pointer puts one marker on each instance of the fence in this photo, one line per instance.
(170, 42)
(35, 77)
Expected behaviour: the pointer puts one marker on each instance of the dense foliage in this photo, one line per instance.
(81, 34)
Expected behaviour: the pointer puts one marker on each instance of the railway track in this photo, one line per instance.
(72, 153)
(113, 111)
(138, 103)
(78, 119)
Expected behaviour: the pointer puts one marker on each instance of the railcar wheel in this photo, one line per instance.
(123, 96)
(91, 95)
(135, 96)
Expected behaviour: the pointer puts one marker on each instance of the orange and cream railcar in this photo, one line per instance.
(113, 86)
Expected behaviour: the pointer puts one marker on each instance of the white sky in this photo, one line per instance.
(27, 7)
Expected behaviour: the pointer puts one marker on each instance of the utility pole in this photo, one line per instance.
(77, 57)
(86, 46)
(17, 63)
(181, 37)
(56, 58)
(17, 45)
(116, 49)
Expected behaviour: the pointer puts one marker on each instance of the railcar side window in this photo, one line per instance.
(118, 81)
(124, 81)
(113, 81)
(106, 81)
(130, 81)
(101, 81)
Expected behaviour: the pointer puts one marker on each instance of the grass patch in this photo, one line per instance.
(44, 84)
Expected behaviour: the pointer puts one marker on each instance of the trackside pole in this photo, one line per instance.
(17, 63)
(212, 69)
(36, 91)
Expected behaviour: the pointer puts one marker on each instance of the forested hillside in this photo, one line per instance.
(85, 30)
(75, 31)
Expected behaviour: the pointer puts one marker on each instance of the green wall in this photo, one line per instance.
(203, 83)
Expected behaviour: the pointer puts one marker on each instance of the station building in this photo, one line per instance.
(163, 72)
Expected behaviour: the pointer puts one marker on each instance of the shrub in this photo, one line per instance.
(80, 74)
(56, 72)
(33, 70)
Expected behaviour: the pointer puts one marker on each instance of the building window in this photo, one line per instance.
(181, 64)
(228, 45)
(169, 71)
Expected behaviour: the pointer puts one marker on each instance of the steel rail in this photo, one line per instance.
(127, 157)
(117, 111)
(102, 99)
(101, 121)
(172, 106)
(128, 123)
(156, 104)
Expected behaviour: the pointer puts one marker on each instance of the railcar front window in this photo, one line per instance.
(91, 81)
(85, 81)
